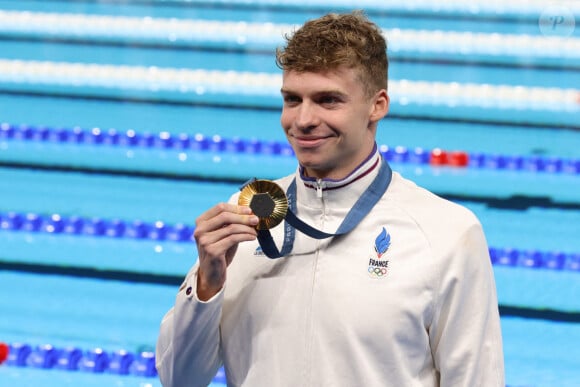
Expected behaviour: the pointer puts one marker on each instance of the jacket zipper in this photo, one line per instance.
(319, 189)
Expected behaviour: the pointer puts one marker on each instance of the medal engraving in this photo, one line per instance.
(267, 201)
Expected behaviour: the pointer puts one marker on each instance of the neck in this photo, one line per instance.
(329, 176)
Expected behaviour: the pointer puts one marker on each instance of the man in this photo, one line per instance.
(405, 297)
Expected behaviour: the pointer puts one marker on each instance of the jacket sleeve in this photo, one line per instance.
(188, 346)
(465, 332)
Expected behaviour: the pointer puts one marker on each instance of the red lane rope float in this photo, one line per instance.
(4, 351)
(440, 157)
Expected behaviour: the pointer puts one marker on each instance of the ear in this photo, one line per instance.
(380, 106)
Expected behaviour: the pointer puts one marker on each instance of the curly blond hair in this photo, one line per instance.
(335, 40)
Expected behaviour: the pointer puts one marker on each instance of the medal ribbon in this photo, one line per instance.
(291, 222)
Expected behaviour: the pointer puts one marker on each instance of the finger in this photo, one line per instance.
(218, 241)
(224, 207)
(225, 219)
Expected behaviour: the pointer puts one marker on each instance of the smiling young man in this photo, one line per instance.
(330, 121)
(395, 288)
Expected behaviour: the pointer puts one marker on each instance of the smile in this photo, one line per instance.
(309, 142)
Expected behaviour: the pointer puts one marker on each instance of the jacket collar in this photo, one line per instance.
(343, 191)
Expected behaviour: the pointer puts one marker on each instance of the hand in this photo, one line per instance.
(217, 234)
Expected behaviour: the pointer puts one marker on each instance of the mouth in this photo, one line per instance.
(309, 142)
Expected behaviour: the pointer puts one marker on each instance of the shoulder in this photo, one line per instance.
(453, 233)
(431, 212)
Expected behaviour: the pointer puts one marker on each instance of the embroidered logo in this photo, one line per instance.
(378, 267)
(382, 243)
(258, 252)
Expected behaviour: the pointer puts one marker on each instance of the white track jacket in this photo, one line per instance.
(405, 299)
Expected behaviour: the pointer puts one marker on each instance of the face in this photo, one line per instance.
(329, 120)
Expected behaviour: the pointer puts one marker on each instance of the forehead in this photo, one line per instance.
(342, 80)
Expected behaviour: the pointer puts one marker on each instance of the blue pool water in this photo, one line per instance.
(109, 289)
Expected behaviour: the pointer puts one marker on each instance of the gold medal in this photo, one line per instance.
(267, 201)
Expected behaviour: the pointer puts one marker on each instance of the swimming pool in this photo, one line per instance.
(121, 123)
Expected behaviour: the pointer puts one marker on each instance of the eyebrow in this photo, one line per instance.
(321, 92)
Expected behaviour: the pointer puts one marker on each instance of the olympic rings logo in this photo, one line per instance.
(375, 271)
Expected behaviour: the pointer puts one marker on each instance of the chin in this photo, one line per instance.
(308, 162)
(315, 169)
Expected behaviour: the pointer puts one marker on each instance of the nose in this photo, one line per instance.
(306, 118)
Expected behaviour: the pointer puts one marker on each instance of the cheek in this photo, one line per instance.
(285, 120)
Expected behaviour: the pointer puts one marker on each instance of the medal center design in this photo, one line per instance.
(262, 205)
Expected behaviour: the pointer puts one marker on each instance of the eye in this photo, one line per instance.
(329, 99)
(290, 99)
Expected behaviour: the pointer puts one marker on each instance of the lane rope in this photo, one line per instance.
(183, 142)
(234, 83)
(57, 224)
(266, 36)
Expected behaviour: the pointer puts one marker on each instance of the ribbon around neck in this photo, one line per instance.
(268, 201)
